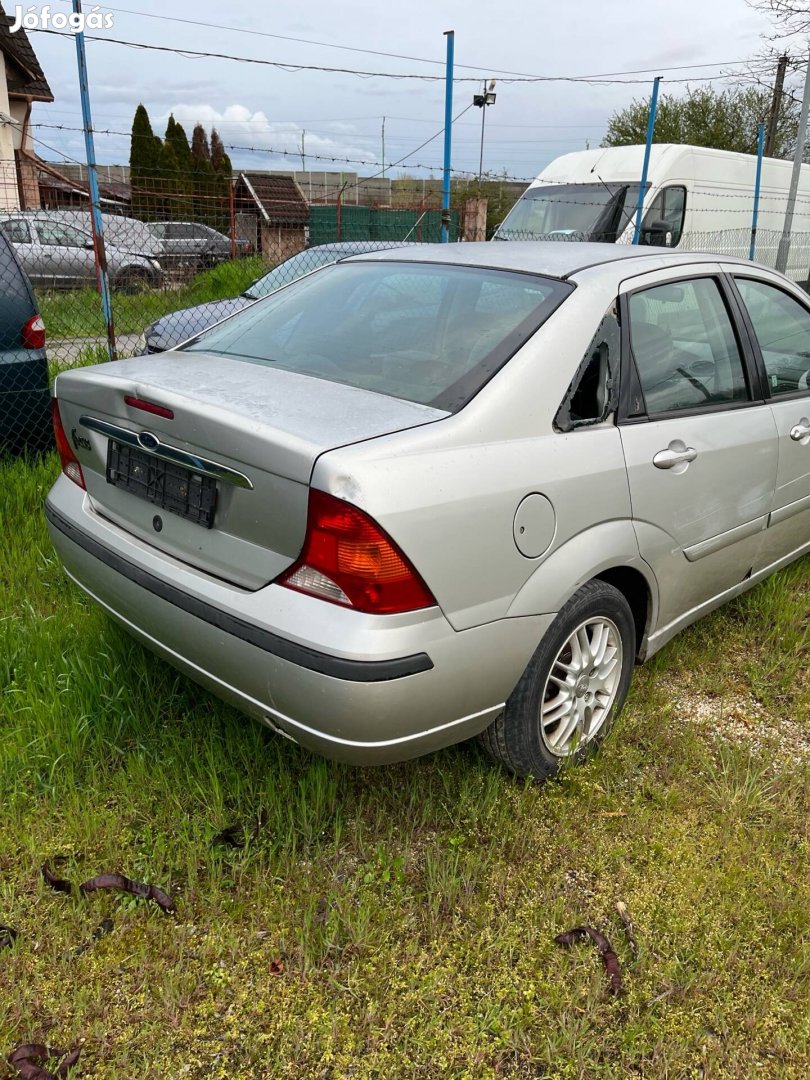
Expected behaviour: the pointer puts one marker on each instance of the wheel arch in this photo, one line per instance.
(608, 552)
(133, 274)
(636, 590)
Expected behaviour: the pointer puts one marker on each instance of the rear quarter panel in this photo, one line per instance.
(448, 493)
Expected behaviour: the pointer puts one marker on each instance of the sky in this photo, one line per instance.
(341, 115)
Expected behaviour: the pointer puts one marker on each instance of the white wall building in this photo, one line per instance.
(22, 82)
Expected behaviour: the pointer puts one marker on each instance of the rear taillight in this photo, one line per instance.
(33, 333)
(348, 560)
(70, 463)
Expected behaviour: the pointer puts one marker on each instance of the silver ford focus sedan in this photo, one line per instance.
(427, 494)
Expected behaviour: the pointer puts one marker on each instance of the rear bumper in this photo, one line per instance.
(364, 689)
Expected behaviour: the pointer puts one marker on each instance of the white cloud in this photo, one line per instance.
(267, 143)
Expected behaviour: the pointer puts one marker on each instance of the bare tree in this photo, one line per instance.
(788, 37)
(790, 18)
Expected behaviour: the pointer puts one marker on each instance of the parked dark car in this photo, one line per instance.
(170, 330)
(190, 243)
(25, 419)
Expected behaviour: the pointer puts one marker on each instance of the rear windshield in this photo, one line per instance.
(426, 332)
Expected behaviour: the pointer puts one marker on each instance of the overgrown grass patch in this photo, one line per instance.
(77, 313)
(413, 908)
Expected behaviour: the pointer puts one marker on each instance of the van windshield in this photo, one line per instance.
(596, 212)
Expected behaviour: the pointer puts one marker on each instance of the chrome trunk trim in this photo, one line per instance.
(151, 444)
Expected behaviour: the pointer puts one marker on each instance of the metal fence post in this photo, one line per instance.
(646, 165)
(232, 216)
(757, 182)
(95, 204)
(448, 128)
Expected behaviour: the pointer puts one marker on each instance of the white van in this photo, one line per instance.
(697, 199)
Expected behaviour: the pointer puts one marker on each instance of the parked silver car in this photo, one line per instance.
(178, 326)
(56, 254)
(425, 494)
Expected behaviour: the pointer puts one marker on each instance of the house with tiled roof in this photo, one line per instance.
(22, 82)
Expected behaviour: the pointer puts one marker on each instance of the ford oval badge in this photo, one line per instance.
(148, 441)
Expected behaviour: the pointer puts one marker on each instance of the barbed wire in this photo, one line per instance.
(402, 56)
(279, 151)
(469, 174)
(196, 54)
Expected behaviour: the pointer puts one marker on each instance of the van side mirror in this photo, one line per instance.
(658, 233)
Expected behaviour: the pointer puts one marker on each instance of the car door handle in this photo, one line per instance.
(801, 431)
(676, 454)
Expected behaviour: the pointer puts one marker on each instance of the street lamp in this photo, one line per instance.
(487, 97)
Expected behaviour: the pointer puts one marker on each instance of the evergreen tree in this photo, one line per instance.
(144, 165)
(202, 172)
(177, 139)
(222, 169)
(218, 154)
(172, 179)
(180, 185)
(200, 150)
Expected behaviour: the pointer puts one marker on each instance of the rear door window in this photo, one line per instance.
(685, 348)
(17, 230)
(57, 234)
(179, 230)
(782, 328)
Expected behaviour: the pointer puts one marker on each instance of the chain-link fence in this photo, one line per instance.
(182, 255)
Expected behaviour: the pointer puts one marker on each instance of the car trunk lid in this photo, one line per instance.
(231, 417)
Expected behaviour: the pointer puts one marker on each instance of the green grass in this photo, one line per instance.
(414, 907)
(77, 313)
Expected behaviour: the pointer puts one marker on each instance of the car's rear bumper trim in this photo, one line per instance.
(325, 664)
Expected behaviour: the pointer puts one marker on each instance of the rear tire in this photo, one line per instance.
(573, 688)
(133, 280)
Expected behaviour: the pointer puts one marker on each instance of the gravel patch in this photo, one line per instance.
(741, 719)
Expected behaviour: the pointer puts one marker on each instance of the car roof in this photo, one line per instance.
(48, 215)
(360, 247)
(552, 258)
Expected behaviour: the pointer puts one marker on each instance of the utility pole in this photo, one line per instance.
(448, 135)
(642, 188)
(383, 146)
(776, 107)
(757, 184)
(784, 243)
(95, 201)
(301, 151)
(482, 100)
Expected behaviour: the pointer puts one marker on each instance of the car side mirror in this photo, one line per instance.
(89, 245)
